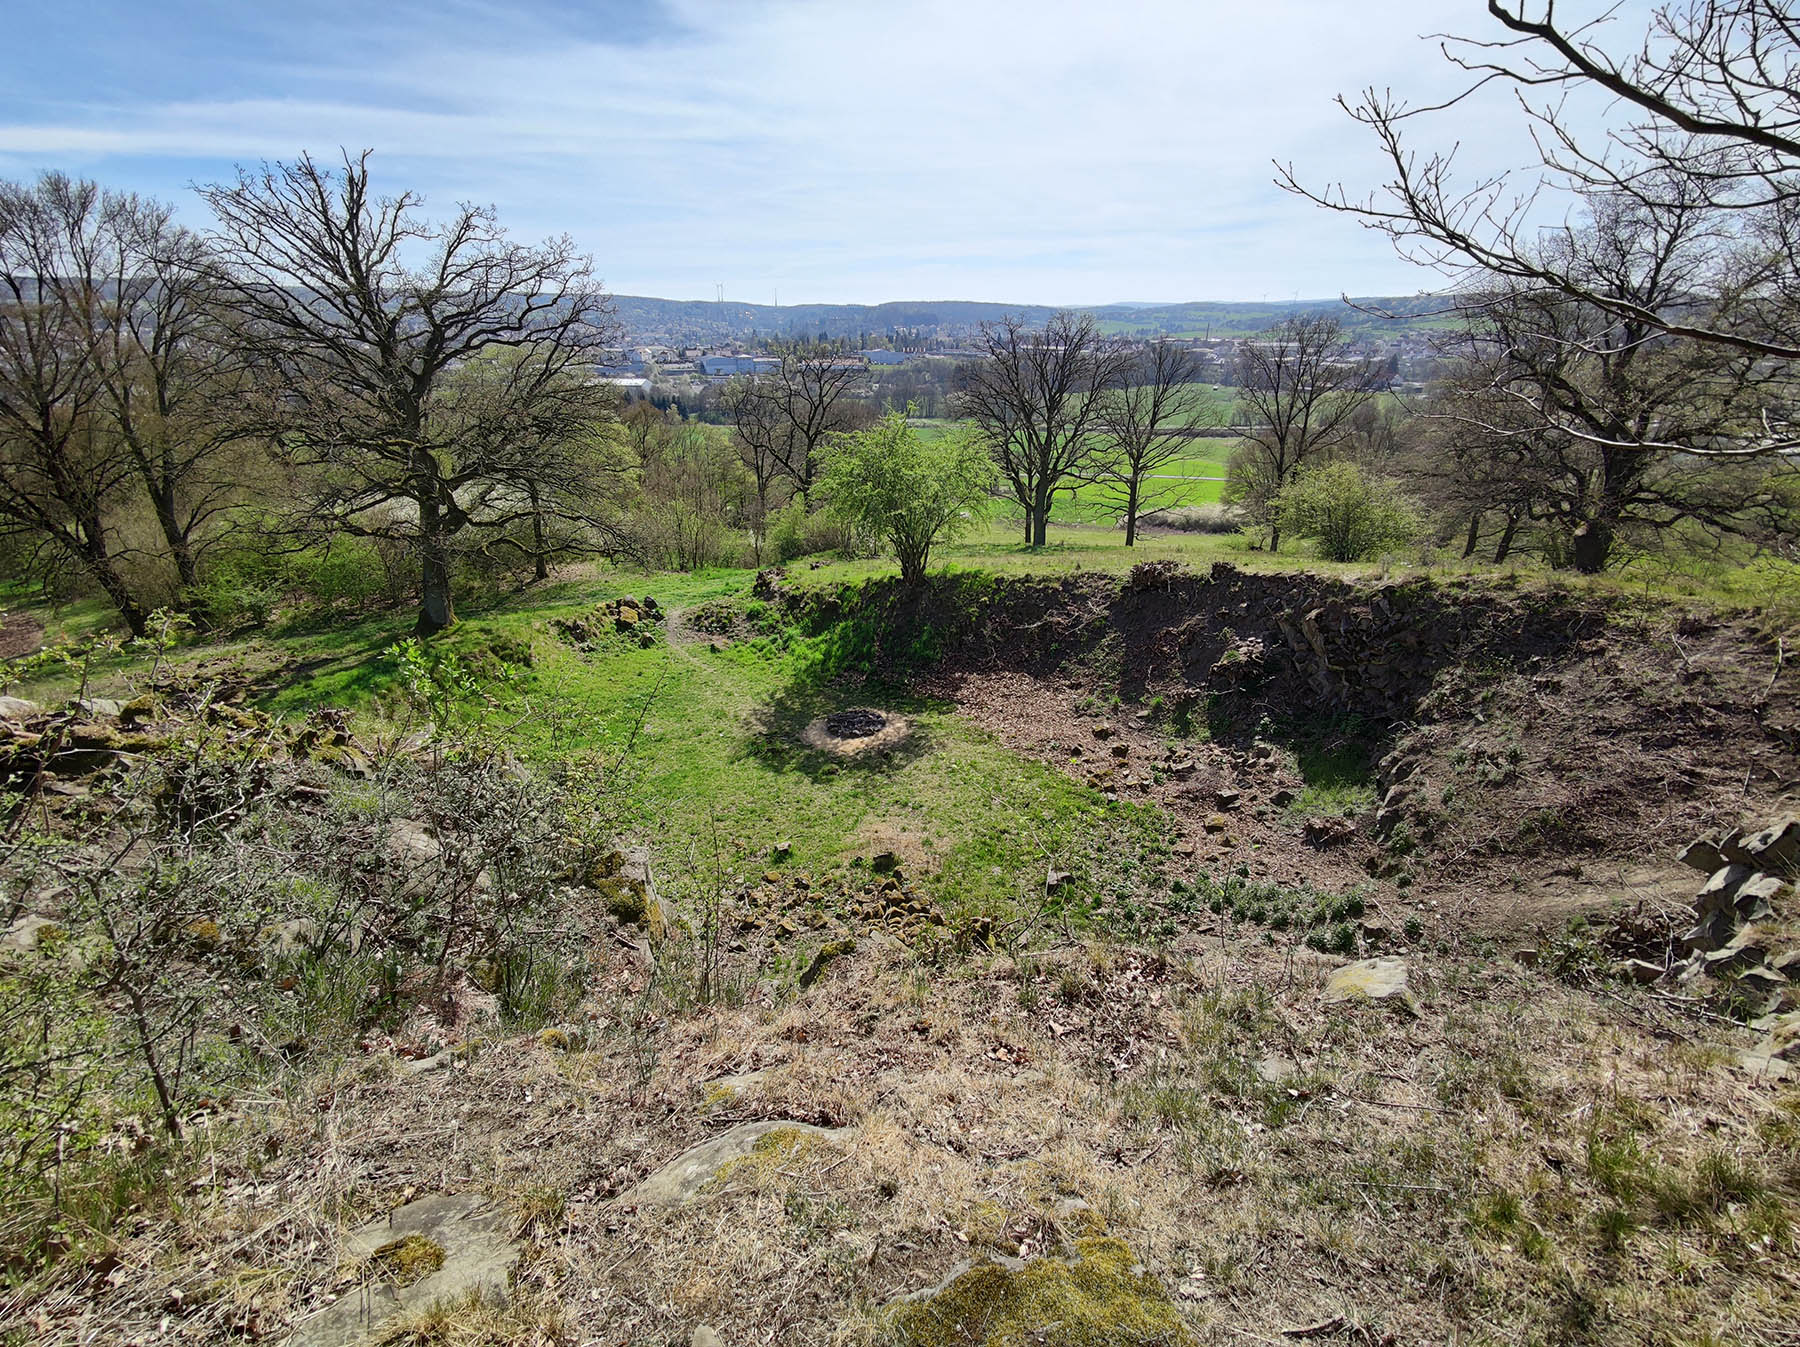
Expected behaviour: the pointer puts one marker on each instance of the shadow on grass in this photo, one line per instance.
(775, 728)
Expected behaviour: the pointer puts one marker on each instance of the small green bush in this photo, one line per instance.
(1352, 517)
(793, 533)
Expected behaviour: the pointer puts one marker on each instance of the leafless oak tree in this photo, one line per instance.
(1302, 388)
(169, 371)
(1715, 89)
(553, 466)
(1037, 397)
(784, 418)
(1145, 421)
(757, 432)
(352, 311)
(62, 469)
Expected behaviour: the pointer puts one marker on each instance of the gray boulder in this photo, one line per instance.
(1746, 949)
(30, 931)
(438, 1248)
(1381, 980)
(683, 1178)
(1702, 855)
(1776, 847)
(17, 709)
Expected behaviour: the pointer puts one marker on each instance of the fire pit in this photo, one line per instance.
(856, 730)
(857, 724)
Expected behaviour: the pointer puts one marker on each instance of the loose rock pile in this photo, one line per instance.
(1744, 935)
(627, 618)
(53, 748)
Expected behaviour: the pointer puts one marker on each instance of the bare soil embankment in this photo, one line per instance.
(1517, 752)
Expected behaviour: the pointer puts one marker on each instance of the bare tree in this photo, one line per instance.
(1037, 397)
(168, 368)
(62, 471)
(552, 463)
(1301, 387)
(1146, 421)
(1715, 86)
(1595, 425)
(350, 341)
(757, 431)
(785, 418)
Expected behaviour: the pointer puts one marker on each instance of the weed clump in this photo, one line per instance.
(1324, 920)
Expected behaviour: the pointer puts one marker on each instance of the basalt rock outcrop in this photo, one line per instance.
(1745, 939)
(633, 621)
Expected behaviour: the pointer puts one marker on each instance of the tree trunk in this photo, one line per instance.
(436, 610)
(1040, 518)
(1506, 538)
(1595, 535)
(1474, 535)
(162, 496)
(1591, 545)
(540, 568)
(1131, 509)
(1274, 536)
(99, 565)
(912, 566)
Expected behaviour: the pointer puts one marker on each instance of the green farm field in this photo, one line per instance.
(1195, 478)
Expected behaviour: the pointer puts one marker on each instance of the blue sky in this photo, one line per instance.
(1041, 151)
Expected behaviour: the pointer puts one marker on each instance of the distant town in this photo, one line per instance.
(680, 353)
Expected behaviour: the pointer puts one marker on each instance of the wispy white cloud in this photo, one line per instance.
(1049, 151)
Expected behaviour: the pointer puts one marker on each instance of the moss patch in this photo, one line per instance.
(626, 899)
(409, 1260)
(1094, 1299)
(771, 1151)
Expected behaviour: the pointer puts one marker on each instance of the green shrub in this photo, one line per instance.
(1352, 516)
(794, 533)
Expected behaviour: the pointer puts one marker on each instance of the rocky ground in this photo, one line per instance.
(1347, 1074)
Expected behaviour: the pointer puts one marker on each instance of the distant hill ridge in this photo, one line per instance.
(650, 319)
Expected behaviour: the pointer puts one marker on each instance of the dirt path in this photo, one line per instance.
(20, 635)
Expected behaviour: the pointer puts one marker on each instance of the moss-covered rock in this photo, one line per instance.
(769, 1155)
(203, 935)
(749, 1155)
(608, 866)
(1096, 1297)
(408, 1259)
(563, 1038)
(831, 949)
(91, 734)
(626, 899)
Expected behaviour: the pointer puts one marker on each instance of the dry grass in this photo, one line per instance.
(1524, 1162)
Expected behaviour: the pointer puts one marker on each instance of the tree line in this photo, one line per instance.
(327, 382)
(323, 364)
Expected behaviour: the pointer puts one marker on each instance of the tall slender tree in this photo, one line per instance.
(169, 371)
(785, 418)
(1301, 386)
(1145, 421)
(63, 471)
